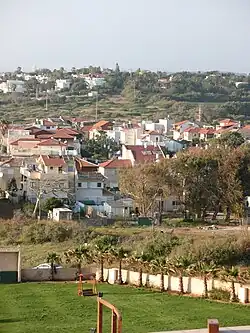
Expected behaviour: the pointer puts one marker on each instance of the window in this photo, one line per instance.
(51, 168)
(175, 203)
(79, 184)
(60, 170)
(47, 127)
(99, 184)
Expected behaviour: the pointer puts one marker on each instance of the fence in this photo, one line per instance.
(62, 274)
(116, 318)
(192, 285)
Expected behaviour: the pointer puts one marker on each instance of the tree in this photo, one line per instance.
(141, 260)
(101, 251)
(232, 139)
(53, 259)
(147, 185)
(52, 203)
(231, 274)
(120, 254)
(100, 148)
(179, 266)
(78, 256)
(160, 265)
(4, 125)
(206, 271)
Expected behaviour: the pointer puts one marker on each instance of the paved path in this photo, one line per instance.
(237, 329)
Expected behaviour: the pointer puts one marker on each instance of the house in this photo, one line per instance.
(45, 124)
(100, 126)
(142, 154)
(180, 127)
(62, 213)
(207, 134)
(94, 81)
(90, 183)
(122, 208)
(228, 123)
(191, 133)
(130, 135)
(152, 137)
(36, 146)
(174, 145)
(110, 170)
(13, 86)
(63, 84)
(48, 176)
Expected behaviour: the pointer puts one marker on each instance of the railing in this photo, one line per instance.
(116, 318)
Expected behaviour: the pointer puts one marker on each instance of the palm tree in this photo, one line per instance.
(141, 260)
(119, 254)
(101, 250)
(232, 275)
(78, 255)
(179, 266)
(206, 271)
(53, 259)
(160, 265)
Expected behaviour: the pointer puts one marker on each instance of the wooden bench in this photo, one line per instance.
(213, 325)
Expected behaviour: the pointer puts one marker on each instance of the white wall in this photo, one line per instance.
(192, 285)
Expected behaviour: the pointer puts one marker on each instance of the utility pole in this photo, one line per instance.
(96, 108)
(46, 102)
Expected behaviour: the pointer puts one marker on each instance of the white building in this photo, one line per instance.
(62, 84)
(12, 86)
(94, 81)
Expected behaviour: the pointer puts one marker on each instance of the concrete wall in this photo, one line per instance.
(192, 285)
(62, 274)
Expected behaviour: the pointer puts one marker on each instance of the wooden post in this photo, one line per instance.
(99, 317)
(114, 322)
(213, 326)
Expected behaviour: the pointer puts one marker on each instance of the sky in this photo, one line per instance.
(171, 35)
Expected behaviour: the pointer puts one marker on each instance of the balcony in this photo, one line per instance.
(30, 172)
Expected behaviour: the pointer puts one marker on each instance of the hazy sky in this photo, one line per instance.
(151, 34)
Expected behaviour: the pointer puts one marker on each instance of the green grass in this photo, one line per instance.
(55, 307)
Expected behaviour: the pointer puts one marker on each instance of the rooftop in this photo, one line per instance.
(116, 164)
(54, 161)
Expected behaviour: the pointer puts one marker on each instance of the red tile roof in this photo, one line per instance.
(51, 142)
(116, 164)
(142, 154)
(181, 122)
(82, 164)
(54, 161)
(207, 131)
(192, 130)
(47, 122)
(15, 143)
(86, 128)
(101, 124)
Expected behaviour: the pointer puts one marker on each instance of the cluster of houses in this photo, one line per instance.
(18, 84)
(44, 158)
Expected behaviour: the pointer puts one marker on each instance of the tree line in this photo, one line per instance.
(160, 255)
(216, 179)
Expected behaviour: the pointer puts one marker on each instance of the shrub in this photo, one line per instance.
(219, 294)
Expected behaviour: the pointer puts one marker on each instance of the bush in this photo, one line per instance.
(219, 294)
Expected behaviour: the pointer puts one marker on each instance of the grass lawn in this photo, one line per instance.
(55, 307)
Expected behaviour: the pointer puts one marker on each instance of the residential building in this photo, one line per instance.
(100, 126)
(122, 208)
(110, 170)
(35, 146)
(90, 184)
(174, 145)
(191, 133)
(13, 86)
(180, 127)
(48, 176)
(63, 84)
(45, 124)
(130, 136)
(168, 125)
(245, 132)
(206, 133)
(94, 81)
(142, 154)
(151, 137)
